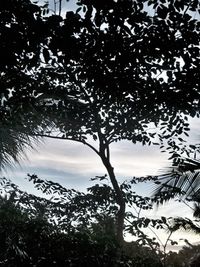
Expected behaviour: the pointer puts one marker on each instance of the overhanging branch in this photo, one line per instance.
(69, 139)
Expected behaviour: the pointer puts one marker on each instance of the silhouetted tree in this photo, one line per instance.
(98, 73)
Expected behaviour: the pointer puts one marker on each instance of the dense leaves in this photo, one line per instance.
(114, 66)
(68, 228)
(71, 228)
(110, 63)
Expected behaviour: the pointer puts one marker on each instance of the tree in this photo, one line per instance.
(31, 236)
(101, 76)
(188, 255)
(66, 227)
(105, 68)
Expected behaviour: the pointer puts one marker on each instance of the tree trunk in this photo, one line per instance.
(119, 199)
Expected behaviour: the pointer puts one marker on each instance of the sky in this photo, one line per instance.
(74, 164)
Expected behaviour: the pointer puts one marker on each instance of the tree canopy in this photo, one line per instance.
(117, 50)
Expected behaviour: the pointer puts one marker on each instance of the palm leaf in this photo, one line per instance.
(182, 180)
(13, 144)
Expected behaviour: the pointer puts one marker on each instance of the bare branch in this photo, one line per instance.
(69, 139)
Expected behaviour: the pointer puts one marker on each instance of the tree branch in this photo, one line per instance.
(69, 139)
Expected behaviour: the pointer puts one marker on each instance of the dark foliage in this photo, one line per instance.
(36, 231)
(98, 72)
(100, 66)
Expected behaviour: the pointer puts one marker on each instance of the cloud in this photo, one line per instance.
(58, 157)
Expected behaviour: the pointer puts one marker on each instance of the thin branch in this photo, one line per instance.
(184, 202)
(168, 238)
(187, 7)
(54, 6)
(140, 209)
(70, 139)
(60, 7)
(164, 248)
(156, 236)
(93, 148)
(111, 139)
(141, 232)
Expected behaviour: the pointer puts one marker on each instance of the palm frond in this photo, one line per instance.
(182, 180)
(13, 144)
